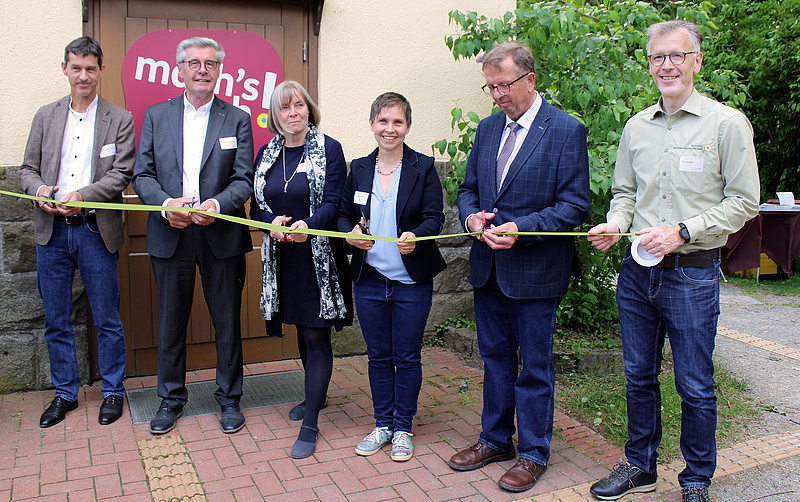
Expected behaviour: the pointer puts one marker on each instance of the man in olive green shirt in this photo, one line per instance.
(685, 178)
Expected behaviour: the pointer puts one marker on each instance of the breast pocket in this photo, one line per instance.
(698, 170)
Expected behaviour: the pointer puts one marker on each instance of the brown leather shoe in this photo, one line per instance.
(522, 476)
(477, 456)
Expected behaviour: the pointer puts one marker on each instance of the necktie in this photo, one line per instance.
(505, 152)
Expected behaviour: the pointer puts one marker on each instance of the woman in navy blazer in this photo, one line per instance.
(393, 192)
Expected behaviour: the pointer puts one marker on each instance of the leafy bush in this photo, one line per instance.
(760, 39)
(591, 63)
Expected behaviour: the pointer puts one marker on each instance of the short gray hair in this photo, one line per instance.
(180, 54)
(522, 56)
(283, 94)
(390, 99)
(665, 27)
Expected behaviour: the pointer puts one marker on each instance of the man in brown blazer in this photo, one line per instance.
(80, 148)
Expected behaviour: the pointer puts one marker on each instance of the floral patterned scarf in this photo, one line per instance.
(331, 301)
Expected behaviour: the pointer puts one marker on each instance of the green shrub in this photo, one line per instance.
(591, 63)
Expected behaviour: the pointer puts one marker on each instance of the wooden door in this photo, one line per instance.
(117, 24)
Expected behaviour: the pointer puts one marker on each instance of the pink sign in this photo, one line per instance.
(251, 70)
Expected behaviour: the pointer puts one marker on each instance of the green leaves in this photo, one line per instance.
(457, 151)
(591, 63)
(759, 42)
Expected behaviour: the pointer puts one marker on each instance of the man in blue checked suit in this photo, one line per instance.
(528, 171)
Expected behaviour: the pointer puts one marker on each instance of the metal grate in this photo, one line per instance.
(257, 390)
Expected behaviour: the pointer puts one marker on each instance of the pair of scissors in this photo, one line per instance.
(364, 224)
(50, 197)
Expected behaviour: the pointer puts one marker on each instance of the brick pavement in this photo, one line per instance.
(82, 460)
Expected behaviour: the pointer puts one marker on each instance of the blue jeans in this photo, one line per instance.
(392, 316)
(506, 325)
(80, 246)
(683, 303)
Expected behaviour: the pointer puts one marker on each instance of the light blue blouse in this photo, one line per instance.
(385, 256)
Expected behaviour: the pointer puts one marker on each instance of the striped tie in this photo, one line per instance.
(505, 152)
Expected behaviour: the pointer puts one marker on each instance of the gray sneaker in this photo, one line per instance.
(695, 494)
(374, 441)
(402, 447)
(625, 478)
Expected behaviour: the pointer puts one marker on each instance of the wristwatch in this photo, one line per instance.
(684, 233)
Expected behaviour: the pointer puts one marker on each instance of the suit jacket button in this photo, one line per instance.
(494, 210)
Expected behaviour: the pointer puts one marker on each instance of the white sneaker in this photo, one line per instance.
(374, 441)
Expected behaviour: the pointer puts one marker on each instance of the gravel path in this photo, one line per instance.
(775, 382)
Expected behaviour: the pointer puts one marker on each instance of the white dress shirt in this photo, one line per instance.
(195, 125)
(525, 122)
(76, 150)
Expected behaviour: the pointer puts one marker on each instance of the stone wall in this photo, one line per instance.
(24, 363)
(452, 294)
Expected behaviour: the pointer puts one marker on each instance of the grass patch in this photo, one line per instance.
(467, 398)
(570, 340)
(599, 402)
(780, 287)
(435, 401)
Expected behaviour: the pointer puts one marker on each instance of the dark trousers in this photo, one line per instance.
(506, 325)
(222, 280)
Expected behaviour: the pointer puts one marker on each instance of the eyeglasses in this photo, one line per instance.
(503, 89)
(677, 58)
(194, 64)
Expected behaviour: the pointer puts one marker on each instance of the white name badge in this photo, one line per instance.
(360, 198)
(691, 164)
(108, 150)
(228, 143)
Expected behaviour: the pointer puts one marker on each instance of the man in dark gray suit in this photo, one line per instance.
(80, 148)
(196, 150)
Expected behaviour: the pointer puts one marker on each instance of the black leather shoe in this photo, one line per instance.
(165, 418)
(231, 420)
(56, 411)
(110, 410)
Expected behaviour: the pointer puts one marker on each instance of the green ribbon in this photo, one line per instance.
(269, 226)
